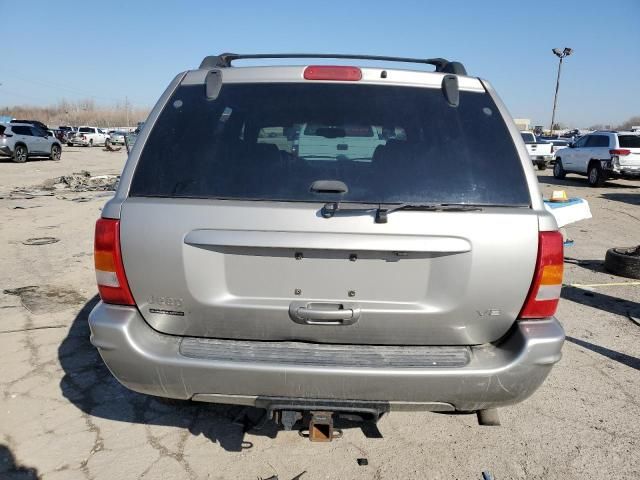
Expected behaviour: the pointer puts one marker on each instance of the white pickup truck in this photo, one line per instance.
(539, 152)
(88, 137)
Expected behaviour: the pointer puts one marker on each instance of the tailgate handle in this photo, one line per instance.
(319, 313)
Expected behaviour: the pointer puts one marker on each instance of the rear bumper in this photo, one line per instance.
(147, 361)
(541, 159)
(615, 170)
(622, 172)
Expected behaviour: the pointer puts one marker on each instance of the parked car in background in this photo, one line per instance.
(233, 269)
(601, 155)
(58, 134)
(20, 141)
(572, 135)
(556, 145)
(117, 137)
(539, 151)
(88, 137)
(67, 132)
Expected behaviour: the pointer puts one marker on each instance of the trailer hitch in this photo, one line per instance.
(321, 427)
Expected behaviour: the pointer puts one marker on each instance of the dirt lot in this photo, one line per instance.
(62, 415)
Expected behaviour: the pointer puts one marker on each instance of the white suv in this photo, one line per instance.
(600, 156)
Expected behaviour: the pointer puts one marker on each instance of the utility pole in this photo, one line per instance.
(560, 54)
(126, 107)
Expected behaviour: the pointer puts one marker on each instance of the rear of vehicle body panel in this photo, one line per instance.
(270, 280)
(424, 278)
(626, 158)
(539, 152)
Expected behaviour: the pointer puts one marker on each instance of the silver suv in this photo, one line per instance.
(234, 269)
(20, 141)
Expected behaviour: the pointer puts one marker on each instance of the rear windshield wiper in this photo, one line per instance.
(330, 209)
(381, 213)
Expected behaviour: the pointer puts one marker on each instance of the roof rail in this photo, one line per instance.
(224, 60)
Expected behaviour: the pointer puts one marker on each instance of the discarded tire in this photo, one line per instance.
(623, 261)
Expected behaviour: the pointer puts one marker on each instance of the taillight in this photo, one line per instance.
(620, 151)
(544, 294)
(329, 72)
(112, 281)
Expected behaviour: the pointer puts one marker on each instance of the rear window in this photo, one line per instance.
(629, 141)
(387, 144)
(528, 137)
(86, 130)
(2, 129)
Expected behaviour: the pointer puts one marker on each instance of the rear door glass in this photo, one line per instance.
(598, 141)
(387, 144)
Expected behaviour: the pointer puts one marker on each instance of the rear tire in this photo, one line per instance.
(558, 170)
(69, 144)
(56, 153)
(624, 262)
(90, 143)
(20, 154)
(107, 143)
(542, 166)
(595, 175)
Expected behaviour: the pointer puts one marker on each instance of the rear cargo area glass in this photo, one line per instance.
(388, 144)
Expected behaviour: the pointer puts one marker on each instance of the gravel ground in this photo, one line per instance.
(62, 415)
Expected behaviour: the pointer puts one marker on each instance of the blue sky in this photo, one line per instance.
(109, 50)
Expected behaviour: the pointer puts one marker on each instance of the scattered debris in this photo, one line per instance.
(46, 299)
(20, 207)
(110, 148)
(487, 476)
(363, 462)
(25, 194)
(40, 241)
(75, 199)
(82, 181)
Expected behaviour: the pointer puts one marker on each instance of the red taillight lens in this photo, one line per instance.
(112, 281)
(544, 293)
(620, 152)
(328, 72)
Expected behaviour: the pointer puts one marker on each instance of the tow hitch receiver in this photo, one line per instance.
(321, 427)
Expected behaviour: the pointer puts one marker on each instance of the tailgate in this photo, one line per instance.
(278, 271)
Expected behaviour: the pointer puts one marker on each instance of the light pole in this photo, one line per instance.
(560, 54)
